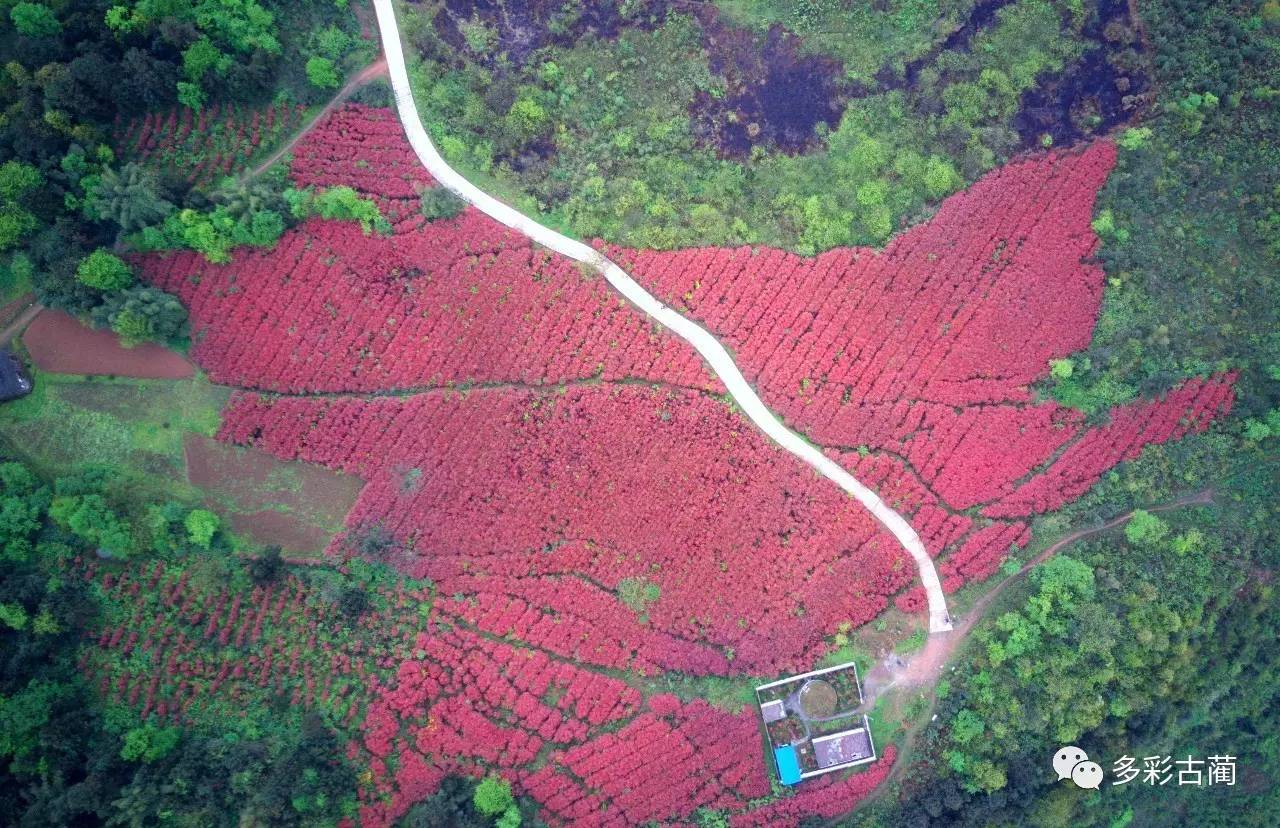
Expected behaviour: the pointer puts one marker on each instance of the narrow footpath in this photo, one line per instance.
(711, 350)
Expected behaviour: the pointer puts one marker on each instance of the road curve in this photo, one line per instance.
(706, 344)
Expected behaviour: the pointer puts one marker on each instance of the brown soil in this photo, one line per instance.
(20, 324)
(58, 343)
(775, 95)
(15, 309)
(281, 529)
(298, 506)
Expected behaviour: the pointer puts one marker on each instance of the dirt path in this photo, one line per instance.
(924, 670)
(18, 325)
(374, 70)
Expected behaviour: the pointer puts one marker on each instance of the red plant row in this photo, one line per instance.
(668, 486)
(364, 147)
(206, 144)
(826, 797)
(575, 619)
(926, 349)
(458, 301)
(1189, 408)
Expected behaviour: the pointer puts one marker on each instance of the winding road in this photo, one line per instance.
(706, 344)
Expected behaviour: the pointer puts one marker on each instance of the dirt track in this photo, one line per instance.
(923, 671)
(376, 69)
(926, 668)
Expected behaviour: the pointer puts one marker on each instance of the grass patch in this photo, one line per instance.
(134, 428)
(726, 693)
(913, 642)
(638, 593)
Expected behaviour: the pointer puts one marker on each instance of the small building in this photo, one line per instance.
(815, 723)
(843, 748)
(14, 381)
(788, 764)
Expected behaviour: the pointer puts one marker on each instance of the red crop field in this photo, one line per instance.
(455, 302)
(543, 455)
(364, 148)
(542, 503)
(430, 694)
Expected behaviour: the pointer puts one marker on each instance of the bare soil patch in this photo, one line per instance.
(281, 529)
(58, 343)
(297, 506)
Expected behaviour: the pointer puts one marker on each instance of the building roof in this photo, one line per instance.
(772, 711)
(788, 764)
(842, 748)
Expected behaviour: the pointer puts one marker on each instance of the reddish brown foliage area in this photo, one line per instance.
(528, 507)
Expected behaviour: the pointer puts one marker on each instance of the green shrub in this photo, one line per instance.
(149, 743)
(345, 203)
(201, 525)
(34, 20)
(439, 203)
(493, 796)
(1145, 528)
(322, 73)
(104, 271)
(140, 314)
(638, 593)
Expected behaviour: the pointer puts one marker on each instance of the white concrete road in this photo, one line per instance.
(706, 344)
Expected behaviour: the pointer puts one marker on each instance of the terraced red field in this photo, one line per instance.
(582, 446)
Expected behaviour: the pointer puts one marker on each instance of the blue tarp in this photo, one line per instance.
(788, 764)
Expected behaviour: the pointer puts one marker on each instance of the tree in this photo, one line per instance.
(267, 567)
(23, 502)
(438, 203)
(190, 95)
(146, 82)
(527, 117)
(201, 525)
(149, 743)
(966, 727)
(1145, 528)
(322, 73)
(493, 796)
(130, 197)
(140, 314)
(34, 20)
(91, 519)
(940, 177)
(17, 181)
(104, 271)
(345, 203)
(201, 57)
(353, 601)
